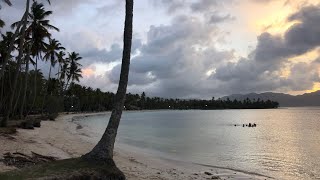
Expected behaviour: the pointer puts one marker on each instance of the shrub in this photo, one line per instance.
(54, 105)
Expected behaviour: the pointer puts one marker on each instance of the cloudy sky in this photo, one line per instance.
(193, 48)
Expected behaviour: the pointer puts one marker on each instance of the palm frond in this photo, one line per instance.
(7, 2)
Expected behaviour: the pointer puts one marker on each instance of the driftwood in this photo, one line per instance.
(21, 160)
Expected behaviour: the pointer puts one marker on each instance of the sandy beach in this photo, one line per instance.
(64, 138)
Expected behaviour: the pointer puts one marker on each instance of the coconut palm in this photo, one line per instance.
(38, 31)
(21, 48)
(61, 60)
(52, 53)
(64, 69)
(7, 2)
(73, 71)
(103, 151)
(38, 26)
(1, 23)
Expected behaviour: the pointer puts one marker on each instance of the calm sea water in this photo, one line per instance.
(284, 145)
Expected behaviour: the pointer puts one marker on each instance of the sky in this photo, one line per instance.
(192, 48)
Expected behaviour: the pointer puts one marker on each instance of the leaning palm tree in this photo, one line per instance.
(7, 2)
(103, 151)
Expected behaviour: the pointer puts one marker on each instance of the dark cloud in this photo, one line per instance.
(175, 59)
(171, 5)
(200, 6)
(208, 5)
(216, 18)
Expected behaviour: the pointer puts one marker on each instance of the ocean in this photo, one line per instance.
(285, 144)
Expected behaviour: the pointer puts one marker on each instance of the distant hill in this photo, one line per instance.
(285, 100)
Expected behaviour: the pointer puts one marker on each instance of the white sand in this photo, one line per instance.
(62, 139)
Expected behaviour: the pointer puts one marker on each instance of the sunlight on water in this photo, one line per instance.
(285, 144)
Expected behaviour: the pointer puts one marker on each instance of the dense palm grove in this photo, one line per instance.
(26, 90)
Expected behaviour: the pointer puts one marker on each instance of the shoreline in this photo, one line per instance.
(64, 139)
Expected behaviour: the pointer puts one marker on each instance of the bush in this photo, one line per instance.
(52, 116)
(54, 105)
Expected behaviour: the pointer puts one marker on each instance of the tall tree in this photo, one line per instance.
(61, 61)
(11, 46)
(52, 53)
(74, 71)
(25, 85)
(38, 31)
(103, 151)
(19, 59)
(7, 2)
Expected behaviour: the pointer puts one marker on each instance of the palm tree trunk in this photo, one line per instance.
(65, 88)
(103, 151)
(46, 92)
(17, 95)
(19, 59)
(25, 87)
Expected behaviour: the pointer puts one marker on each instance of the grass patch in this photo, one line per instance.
(67, 169)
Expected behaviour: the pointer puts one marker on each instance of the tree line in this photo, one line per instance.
(81, 98)
(24, 90)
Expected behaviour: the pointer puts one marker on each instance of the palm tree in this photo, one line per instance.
(103, 151)
(64, 69)
(2, 23)
(61, 61)
(19, 60)
(7, 2)
(18, 26)
(74, 71)
(52, 53)
(4, 45)
(25, 85)
(37, 30)
(38, 26)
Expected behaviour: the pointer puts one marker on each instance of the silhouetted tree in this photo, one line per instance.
(103, 151)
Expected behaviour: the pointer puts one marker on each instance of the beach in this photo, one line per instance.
(65, 138)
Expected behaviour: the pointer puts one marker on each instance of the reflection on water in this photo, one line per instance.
(285, 144)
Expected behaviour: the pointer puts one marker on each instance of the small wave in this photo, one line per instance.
(237, 170)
